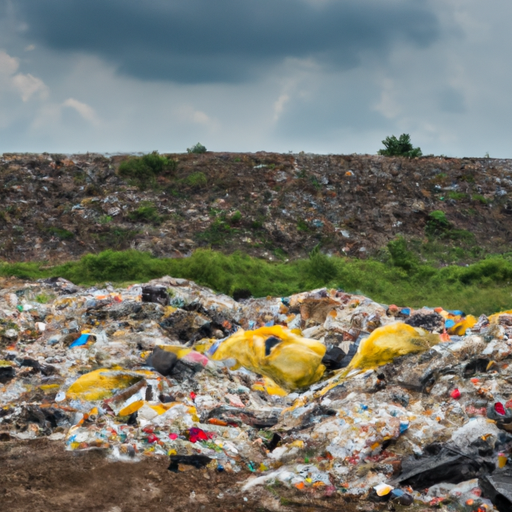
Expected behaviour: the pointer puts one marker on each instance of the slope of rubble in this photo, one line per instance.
(59, 207)
(406, 410)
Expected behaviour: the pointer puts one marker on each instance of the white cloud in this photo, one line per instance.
(25, 85)
(200, 118)
(191, 115)
(279, 105)
(8, 65)
(28, 86)
(87, 112)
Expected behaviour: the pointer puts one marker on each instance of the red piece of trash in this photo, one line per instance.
(499, 408)
(192, 395)
(173, 436)
(196, 434)
(455, 394)
(152, 438)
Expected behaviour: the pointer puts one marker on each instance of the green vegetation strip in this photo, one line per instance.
(482, 287)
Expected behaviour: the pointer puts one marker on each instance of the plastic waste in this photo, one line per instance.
(85, 339)
(288, 359)
(103, 383)
(391, 341)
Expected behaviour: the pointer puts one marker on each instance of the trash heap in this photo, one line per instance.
(324, 391)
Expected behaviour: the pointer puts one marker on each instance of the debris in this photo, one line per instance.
(325, 392)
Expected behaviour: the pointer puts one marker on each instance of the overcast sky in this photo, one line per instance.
(323, 76)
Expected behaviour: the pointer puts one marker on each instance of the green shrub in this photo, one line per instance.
(322, 267)
(196, 180)
(235, 218)
(146, 212)
(105, 219)
(399, 147)
(216, 233)
(401, 256)
(480, 198)
(43, 298)
(437, 223)
(63, 234)
(118, 238)
(483, 287)
(197, 149)
(302, 225)
(457, 195)
(143, 169)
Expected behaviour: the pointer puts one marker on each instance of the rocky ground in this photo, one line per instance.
(59, 207)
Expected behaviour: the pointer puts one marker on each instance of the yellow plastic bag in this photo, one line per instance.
(460, 327)
(390, 341)
(288, 359)
(494, 318)
(383, 345)
(103, 383)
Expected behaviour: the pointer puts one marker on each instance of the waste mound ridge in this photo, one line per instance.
(60, 207)
(323, 394)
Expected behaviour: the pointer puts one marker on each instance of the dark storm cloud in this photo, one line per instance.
(197, 41)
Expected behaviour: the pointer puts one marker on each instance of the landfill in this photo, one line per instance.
(323, 392)
(59, 207)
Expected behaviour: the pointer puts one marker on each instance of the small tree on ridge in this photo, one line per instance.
(399, 147)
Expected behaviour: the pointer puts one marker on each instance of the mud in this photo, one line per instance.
(40, 476)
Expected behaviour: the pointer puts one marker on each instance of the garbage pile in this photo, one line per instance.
(58, 207)
(323, 391)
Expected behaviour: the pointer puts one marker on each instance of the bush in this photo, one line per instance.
(399, 147)
(197, 149)
(401, 256)
(196, 180)
(437, 223)
(147, 212)
(480, 198)
(235, 218)
(144, 169)
(63, 234)
(105, 219)
(322, 267)
(484, 287)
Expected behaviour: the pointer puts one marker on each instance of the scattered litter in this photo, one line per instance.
(323, 391)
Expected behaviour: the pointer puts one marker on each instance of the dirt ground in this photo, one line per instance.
(40, 476)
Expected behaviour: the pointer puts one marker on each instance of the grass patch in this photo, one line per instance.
(458, 196)
(43, 298)
(105, 219)
(302, 225)
(196, 180)
(480, 198)
(217, 233)
(146, 212)
(235, 218)
(117, 238)
(63, 234)
(438, 227)
(482, 287)
(143, 170)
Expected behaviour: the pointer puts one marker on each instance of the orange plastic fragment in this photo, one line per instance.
(215, 421)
